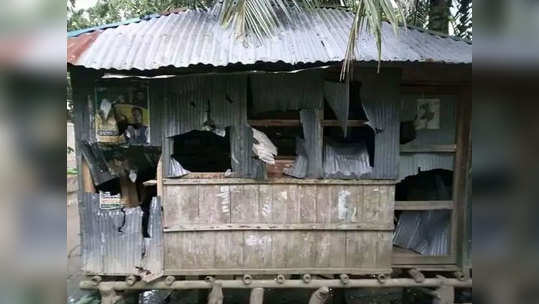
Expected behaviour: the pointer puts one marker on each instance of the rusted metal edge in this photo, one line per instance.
(313, 284)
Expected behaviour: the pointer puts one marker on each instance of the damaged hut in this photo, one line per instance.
(200, 155)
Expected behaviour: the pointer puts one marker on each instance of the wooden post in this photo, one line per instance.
(109, 295)
(320, 296)
(159, 177)
(87, 181)
(257, 296)
(216, 294)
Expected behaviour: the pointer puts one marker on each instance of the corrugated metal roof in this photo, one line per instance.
(196, 37)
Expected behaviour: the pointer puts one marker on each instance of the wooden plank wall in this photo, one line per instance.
(278, 228)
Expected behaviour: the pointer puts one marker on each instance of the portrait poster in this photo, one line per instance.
(122, 114)
(428, 114)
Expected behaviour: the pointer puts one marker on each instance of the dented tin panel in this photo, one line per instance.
(111, 240)
(153, 258)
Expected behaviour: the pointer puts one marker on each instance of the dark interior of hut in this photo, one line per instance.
(203, 151)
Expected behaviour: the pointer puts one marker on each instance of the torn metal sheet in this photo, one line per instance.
(153, 258)
(192, 102)
(426, 232)
(263, 147)
(188, 100)
(175, 169)
(284, 92)
(346, 161)
(244, 162)
(97, 163)
(312, 130)
(111, 240)
(301, 163)
(337, 94)
(380, 96)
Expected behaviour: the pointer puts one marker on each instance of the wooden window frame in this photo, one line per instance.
(462, 163)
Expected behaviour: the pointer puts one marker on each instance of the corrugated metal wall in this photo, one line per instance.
(111, 240)
(225, 97)
(410, 163)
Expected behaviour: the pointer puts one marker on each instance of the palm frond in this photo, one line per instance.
(369, 17)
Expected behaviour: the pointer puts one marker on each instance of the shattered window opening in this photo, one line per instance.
(203, 151)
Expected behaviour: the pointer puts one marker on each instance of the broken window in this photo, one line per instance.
(348, 147)
(282, 129)
(203, 151)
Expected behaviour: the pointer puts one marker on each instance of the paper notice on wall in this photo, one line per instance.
(428, 114)
(109, 201)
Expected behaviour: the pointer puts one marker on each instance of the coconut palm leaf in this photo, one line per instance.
(369, 17)
(260, 18)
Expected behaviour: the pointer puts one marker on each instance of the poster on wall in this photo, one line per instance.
(428, 114)
(122, 114)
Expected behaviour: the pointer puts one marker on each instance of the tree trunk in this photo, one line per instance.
(439, 16)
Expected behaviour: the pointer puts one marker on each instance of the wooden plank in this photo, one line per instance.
(337, 249)
(180, 205)
(273, 271)
(384, 245)
(424, 205)
(150, 183)
(282, 181)
(293, 212)
(388, 205)
(323, 204)
(462, 178)
(361, 249)
(371, 204)
(265, 205)
(363, 226)
(280, 202)
(257, 249)
(244, 203)
(214, 204)
(301, 248)
(159, 177)
(129, 194)
(323, 249)
(87, 181)
(307, 203)
(344, 204)
(428, 149)
(173, 250)
(279, 248)
(228, 249)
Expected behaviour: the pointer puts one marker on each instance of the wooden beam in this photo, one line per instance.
(423, 205)
(428, 148)
(462, 176)
(279, 227)
(286, 181)
(87, 181)
(296, 123)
